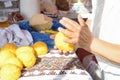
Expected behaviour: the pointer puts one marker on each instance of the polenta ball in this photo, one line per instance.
(40, 48)
(4, 55)
(9, 47)
(10, 72)
(60, 44)
(27, 55)
(14, 60)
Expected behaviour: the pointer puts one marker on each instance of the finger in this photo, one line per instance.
(72, 22)
(60, 52)
(66, 53)
(66, 32)
(75, 24)
(70, 41)
(81, 21)
(52, 36)
(69, 24)
(55, 48)
(71, 52)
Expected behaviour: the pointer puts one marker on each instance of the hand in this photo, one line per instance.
(78, 32)
(61, 51)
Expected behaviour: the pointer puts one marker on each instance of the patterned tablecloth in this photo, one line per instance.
(56, 67)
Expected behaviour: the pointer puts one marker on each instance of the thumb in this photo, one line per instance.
(80, 20)
(52, 36)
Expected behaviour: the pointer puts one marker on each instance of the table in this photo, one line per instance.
(54, 66)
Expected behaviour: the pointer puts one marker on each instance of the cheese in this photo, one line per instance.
(41, 22)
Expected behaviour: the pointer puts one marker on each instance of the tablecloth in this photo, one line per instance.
(54, 66)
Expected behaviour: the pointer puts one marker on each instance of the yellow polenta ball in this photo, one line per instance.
(4, 55)
(14, 60)
(40, 48)
(10, 72)
(9, 47)
(60, 44)
(27, 55)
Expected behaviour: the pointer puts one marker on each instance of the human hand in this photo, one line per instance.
(61, 51)
(79, 33)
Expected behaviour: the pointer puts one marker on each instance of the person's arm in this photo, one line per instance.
(106, 50)
(81, 37)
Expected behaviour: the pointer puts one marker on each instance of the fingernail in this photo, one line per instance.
(64, 18)
(59, 29)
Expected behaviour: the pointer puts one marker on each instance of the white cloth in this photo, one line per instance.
(106, 26)
(13, 34)
(51, 66)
